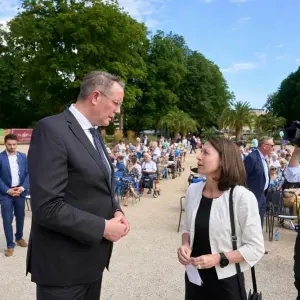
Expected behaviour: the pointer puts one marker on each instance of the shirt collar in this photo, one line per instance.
(261, 155)
(82, 120)
(9, 155)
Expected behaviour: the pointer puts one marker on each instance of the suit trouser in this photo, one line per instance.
(86, 291)
(262, 206)
(11, 206)
(297, 265)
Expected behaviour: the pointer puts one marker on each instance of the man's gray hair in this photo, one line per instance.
(264, 140)
(98, 80)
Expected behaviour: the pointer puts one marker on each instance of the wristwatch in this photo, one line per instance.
(224, 261)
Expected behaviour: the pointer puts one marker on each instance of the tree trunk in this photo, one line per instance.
(237, 134)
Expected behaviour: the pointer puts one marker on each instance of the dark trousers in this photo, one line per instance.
(224, 289)
(193, 149)
(262, 206)
(10, 207)
(297, 265)
(86, 291)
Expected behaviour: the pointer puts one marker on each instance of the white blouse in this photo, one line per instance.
(249, 234)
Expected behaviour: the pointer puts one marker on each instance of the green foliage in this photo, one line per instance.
(57, 42)
(236, 117)
(286, 101)
(51, 44)
(177, 121)
(110, 129)
(118, 136)
(268, 124)
(131, 138)
(203, 92)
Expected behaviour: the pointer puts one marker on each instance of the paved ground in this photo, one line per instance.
(144, 265)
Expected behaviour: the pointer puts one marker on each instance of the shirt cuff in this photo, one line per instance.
(22, 188)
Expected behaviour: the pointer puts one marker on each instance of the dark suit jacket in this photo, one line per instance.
(71, 197)
(5, 174)
(256, 178)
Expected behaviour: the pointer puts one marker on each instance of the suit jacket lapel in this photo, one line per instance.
(81, 136)
(108, 158)
(6, 163)
(261, 163)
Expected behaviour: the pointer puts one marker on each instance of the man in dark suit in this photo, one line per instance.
(258, 173)
(14, 185)
(75, 217)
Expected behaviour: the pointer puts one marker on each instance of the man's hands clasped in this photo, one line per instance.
(15, 192)
(116, 228)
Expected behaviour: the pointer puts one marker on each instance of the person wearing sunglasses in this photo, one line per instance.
(257, 170)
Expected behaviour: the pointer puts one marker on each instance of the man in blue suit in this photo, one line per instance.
(258, 173)
(14, 184)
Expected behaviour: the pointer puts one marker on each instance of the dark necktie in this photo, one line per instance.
(97, 140)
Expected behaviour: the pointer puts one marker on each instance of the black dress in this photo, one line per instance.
(212, 288)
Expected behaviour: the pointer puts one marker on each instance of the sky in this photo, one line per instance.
(254, 42)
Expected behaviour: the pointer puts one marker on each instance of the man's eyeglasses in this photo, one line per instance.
(116, 102)
(272, 145)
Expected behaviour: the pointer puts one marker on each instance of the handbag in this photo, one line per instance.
(252, 295)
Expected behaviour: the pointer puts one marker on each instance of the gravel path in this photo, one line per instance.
(144, 265)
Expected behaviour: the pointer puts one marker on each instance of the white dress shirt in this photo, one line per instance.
(85, 124)
(250, 242)
(14, 168)
(266, 170)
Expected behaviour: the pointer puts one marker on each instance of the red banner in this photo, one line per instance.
(24, 135)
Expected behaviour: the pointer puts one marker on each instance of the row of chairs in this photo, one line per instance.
(139, 187)
(277, 210)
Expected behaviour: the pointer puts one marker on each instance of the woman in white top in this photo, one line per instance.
(206, 238)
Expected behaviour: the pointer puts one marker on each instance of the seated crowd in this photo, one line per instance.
(144, 165)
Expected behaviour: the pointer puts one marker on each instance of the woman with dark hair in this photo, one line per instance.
(207, 237)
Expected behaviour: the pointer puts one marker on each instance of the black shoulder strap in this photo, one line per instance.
(234, 240)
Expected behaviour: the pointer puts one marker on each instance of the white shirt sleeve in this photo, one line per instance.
(292, 174)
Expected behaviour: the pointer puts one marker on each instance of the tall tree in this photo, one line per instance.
(268, 123)
(15, 109)
(59, 41)
(177, 121)
(203, 92)
(166, 69)
(236, 117)
(286, 101)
